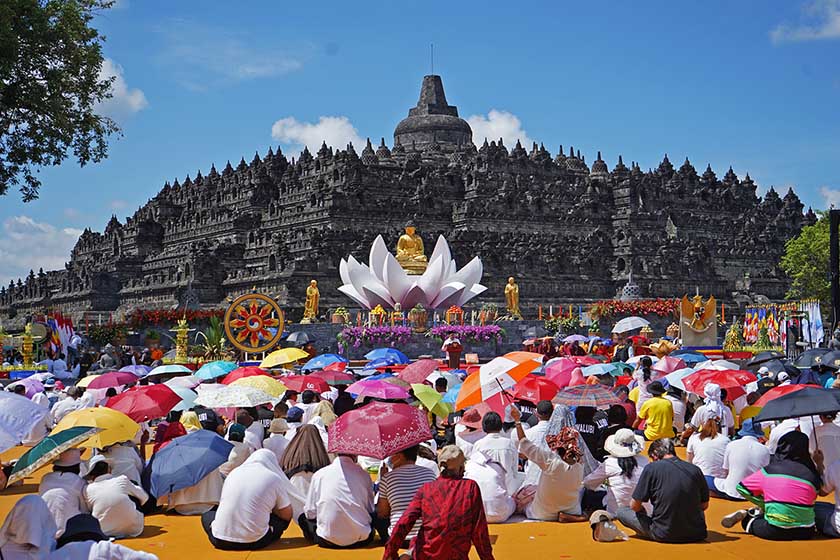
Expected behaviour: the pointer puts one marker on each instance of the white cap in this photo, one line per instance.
(69, 458)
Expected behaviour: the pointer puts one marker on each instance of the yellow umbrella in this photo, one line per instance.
(115, 426)
(431, 399)
(283, 356)
(264, 384)
(85, 381)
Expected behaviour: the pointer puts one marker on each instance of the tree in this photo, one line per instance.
(50, 59)
(806, 262)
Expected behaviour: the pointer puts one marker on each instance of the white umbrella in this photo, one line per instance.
(629, 324)
(634, 361)
(171, 368)
(675, 378)
(17, 417)
(716, 364)
(451, 378)
(188, 382)
(233, 396)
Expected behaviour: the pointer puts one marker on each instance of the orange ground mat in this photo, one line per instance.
(177, 537)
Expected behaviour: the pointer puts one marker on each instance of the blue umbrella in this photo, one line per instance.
(675, 378)
(381, 362)
(380, 376)
(689, 356)
(138, 370)
(186, 460)
(388, 353)
(451, 395)
(188, 397)
(322, 361)
(212, 370)
(599, 369)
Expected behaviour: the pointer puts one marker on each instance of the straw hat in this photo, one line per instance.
(278, 426)
(624, 443)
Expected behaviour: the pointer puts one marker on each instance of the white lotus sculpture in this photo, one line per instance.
(385, 282)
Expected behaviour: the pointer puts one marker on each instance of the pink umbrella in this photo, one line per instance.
(378, 389)
(418, 371)
(112, 379)
(33, 386)
(667, 365)
(560, 371)
(379, 430)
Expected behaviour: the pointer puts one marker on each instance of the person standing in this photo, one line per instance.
(451, 514)
(658, 414)
(397, 488)
(678, 493)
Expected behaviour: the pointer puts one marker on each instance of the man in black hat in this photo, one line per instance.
(658, 414)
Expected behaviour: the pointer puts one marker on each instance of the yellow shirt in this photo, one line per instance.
(634, 394)
(658, 414)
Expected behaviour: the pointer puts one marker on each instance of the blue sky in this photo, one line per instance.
(752, 84)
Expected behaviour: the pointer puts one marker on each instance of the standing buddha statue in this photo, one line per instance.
(310, 308)
(410, 252)
(512, 299)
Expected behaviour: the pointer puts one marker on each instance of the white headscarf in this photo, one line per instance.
(29, 523)
(712, 400)
(41, 400)
(266, 459)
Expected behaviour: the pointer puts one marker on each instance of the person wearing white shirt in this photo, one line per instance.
(59, 367)
(491, 480)
(84, 540)
(826, 436)
(277, 442)
(196, 499)
(124, 460)
(109, 500)
(339, 508)
(780, 429)
(255, 507)
(713, 401)
(677, 399)
(557, 496)
(41, 428)
(743, 457)
(63, 489)
(468, 431)
(707, 447)
(499, 449)
(253, 430)
(307, 403)
(828, 516)
(28, 532)
(240, 452)
(620, 470)
(64, 407)
(535, 435)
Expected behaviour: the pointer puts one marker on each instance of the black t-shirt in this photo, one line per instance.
(590, 434)
(676, 489)
(208, 419)
(264, 417)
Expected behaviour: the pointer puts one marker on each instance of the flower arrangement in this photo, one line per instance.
(594, 328)
(468, 333)
(354, 337)
(611, 308)
(107, 334)
(142, 317)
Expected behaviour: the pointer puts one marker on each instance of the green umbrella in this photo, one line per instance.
(431, 399)
(48, 450)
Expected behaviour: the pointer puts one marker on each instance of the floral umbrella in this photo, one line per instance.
(232, 396)
(263, 383)
(379, 430)
(418, 371)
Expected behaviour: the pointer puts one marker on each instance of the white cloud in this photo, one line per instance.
(335, 131)
(499, 124)
(831, 197)
(118, 204)
(71, 213)
(201, 56)
(124, 100)
(823, 17)
(26, 244)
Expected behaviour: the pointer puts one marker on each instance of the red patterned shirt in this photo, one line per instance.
(452, 519)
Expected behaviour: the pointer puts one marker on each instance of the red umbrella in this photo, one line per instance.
(379, 430)
(336, 366)
(727, 379)
(585, 360)
(777, 392)
(418, 371)
(334, 377)
(145, 402)
(535, 389)
(112, 379)
(301, 383)
(242, 372)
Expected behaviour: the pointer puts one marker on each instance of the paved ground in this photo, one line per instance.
(178, 537)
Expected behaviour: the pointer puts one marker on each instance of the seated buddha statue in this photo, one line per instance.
(410, 252)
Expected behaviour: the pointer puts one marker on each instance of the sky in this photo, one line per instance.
(751, 84)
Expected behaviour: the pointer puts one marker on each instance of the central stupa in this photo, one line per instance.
(433, 120)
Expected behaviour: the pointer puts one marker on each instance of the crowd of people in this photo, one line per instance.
(540, 461)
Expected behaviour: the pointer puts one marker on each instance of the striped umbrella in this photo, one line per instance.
(597, 396)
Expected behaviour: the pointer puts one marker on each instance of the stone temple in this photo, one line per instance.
(568, 231)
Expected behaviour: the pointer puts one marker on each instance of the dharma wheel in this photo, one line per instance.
(254, 323)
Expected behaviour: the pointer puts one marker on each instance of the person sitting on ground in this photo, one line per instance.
(468, 430)
(621, 469)
(28, 530)
(253, 430)
(308, 401)
(623, 393)
(713, 399)
(677, 398)
(63, 489)
(124, 459)
(498, 448)
(535, 434)
(277, 442)
(190, 421)
(168, 430)
(706, 449)
(255, 508)
(397, 487)
(587, 428)
(658, 414)
(742, 457)
(616, 420)
(294, 419)
(209, 420)
(84, 540)
(784, 493)
(114, 500)
(339, 507)
(557, 495)
(678, 493)
(304, 456)
(826, 436)
(451, 516)
(827, 516)
(344, 402)
(64, 407)
(491, 478)
(240, 452)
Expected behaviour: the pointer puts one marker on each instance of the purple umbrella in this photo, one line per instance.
(378, 389)
(139, 371)
(575, 338)
(33, 386)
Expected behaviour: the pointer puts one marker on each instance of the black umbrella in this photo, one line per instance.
(811, 357)
(535, 332)
(298, 338)
(810, 401)
(829, 360)
(765, 356)
(774, 367)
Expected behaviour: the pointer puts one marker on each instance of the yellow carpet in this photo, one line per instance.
(179, 537)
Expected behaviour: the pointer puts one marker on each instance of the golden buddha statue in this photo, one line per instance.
(410, 252)
(512, 299)
(310, 308)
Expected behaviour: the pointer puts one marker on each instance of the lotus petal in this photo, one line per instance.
(377, 294)
(469, 293)
(470, 274)
(431, 280)
(451, 291)
(395, 278)
(352, 293)
(342, 271)
(441, 250)
(414, 296)
(378, 255)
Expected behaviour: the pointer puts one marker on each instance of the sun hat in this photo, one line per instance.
(624, 443)
(449, 453)
(96, 459)
(751, 428)
(80, 528)
(655, 388)
(600, 515)
(278, 426)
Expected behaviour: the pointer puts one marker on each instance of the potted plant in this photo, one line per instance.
(340, 316)
(594, 328)
(491, 312)
(418, 316)
(152, 338)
